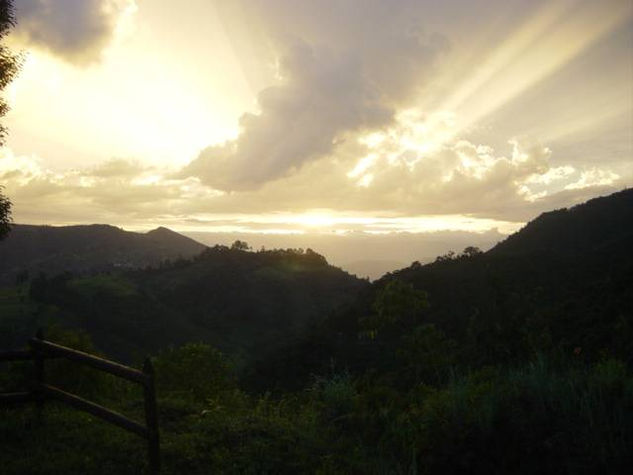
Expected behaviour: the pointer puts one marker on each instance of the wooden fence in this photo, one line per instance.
(40, 350)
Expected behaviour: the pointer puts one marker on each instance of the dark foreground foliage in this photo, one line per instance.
(540, 417)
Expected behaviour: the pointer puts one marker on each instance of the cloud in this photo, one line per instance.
(336, 77)
(515, 183)
(407, 193)
(354, 123)
(350, 121)
(76, 30)
(593, 177)
(321, 98)
(117, 190)
(117, 167)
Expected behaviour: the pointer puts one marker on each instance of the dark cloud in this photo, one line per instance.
(76, 30)
(338, 73)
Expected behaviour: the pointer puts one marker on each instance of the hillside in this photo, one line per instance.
(562, 283)
(241, 302)
(602, 224)
(87, 249)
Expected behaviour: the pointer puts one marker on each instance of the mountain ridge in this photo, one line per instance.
(88, 249)
(584, 227)
(563, 283)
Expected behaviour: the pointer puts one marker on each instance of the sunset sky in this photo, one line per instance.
(346, 118)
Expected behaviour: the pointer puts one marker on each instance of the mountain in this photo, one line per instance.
(562, 284)
(601, 224)
(87, 249)
(244, 303)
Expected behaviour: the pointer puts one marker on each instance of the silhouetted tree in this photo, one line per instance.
(9, 62)
(240, 246)
(471, 251)
(9, 65)
(397, 304)
(5, 215)
(450, 255)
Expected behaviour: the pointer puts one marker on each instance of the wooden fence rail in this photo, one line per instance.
(41, 350)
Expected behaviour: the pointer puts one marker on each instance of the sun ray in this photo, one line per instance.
(551, 39)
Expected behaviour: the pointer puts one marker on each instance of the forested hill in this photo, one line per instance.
(563, 283)
(601, 224)
(239, 301)
(91, 248)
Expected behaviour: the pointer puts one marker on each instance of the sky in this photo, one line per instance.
(367, 125)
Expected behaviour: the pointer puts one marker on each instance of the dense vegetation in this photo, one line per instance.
(517, 360)
(29, 250)
(239, 301)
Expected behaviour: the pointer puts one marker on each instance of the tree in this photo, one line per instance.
(9, 66)
(240, 246)
(397, 306)
(9, 62)
(5, 215)
(471, 251)
(194, 370)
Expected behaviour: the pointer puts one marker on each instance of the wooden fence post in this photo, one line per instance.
(40, 392)
(39, 377)
(151, 419)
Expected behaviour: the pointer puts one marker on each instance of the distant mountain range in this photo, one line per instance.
(242, 302)
(566, 278)
(88, 249)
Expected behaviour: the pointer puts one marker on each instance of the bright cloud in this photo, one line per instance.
(593, 177)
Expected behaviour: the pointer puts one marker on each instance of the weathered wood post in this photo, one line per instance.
(38, 359)
(151, 419)
(40, 392)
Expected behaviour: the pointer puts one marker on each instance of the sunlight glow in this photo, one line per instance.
(331, 222)
(150, 97)
(314, 220)
(556, 34)
(601, 117)
(544, 44)
(363, 165)
(153, 102)
(372, 140)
